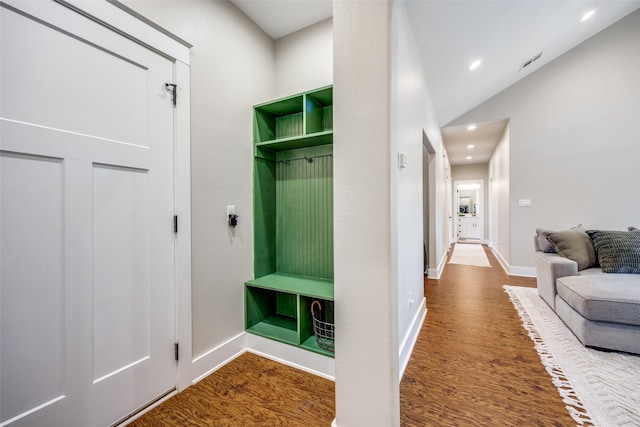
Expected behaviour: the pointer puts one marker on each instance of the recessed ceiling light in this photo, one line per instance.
(475, 64)
(471, 127)
(469, 157)
(588, 15)
(470, 146)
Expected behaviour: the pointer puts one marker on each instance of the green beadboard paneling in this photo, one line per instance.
(286, 304)
(264, 217)
(304, 217)
(289, 126)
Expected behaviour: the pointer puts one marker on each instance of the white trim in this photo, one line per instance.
(217, 357)
(141, 30)
(436, 273)
(182, 208)
(515, 270)
(522, 271)
(305, 360)
(409, 340)
(503, 262)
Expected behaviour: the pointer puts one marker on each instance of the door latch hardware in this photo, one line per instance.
(172, 87)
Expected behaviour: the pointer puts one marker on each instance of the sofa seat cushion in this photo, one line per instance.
(611, 298)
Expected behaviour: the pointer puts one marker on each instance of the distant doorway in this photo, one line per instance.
(428, 155)
(469, 208)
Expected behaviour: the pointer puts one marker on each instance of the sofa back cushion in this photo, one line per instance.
(618, 251)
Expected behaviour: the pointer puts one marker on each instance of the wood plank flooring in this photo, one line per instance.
(249, 391)
(473, 365)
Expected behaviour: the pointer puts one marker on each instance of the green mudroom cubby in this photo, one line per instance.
(293, 218)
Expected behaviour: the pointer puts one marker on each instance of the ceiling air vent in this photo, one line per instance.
(530, 61)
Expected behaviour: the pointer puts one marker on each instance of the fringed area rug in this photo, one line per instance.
(469, 254)
(599, 388)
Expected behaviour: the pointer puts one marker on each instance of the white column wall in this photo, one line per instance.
(367, 386)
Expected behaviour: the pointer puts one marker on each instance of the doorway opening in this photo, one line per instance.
(469, 208)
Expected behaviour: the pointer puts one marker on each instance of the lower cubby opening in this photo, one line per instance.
(278, 306)
(272, 314)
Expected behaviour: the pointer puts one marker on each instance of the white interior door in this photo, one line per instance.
(87, 293)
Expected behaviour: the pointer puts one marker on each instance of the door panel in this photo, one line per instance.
(87, 292)
(121, 286)
(32, 258)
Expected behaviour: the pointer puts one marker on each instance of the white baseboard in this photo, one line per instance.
(523, 271)
(409, 340)
(217, 357)
(308, 361)
(503, 262)
(435, 273)
(515, 270)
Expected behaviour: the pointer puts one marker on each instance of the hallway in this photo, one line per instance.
(473, 363)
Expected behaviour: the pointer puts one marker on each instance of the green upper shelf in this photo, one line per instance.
(318, 138)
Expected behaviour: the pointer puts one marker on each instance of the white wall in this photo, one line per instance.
(304, 59)
(232, 68)
(410, 114)
(381, 105)
(573, 138)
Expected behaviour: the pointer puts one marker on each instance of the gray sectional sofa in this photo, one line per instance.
(602, 309)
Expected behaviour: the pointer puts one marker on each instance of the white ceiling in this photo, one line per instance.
(451, 34)
(279, 18)
(483, 138)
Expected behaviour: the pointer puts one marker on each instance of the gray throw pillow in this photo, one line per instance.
(618, 251)
(544, 244)
(632, 229)
(575, 245)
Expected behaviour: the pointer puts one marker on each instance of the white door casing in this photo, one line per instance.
(87, 249)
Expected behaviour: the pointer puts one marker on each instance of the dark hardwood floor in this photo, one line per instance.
(473, 365)
(249, 391)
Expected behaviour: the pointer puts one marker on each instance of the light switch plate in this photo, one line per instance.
(524, 202)
(402, 160)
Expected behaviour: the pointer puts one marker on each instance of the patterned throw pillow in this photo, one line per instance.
(618, 251)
